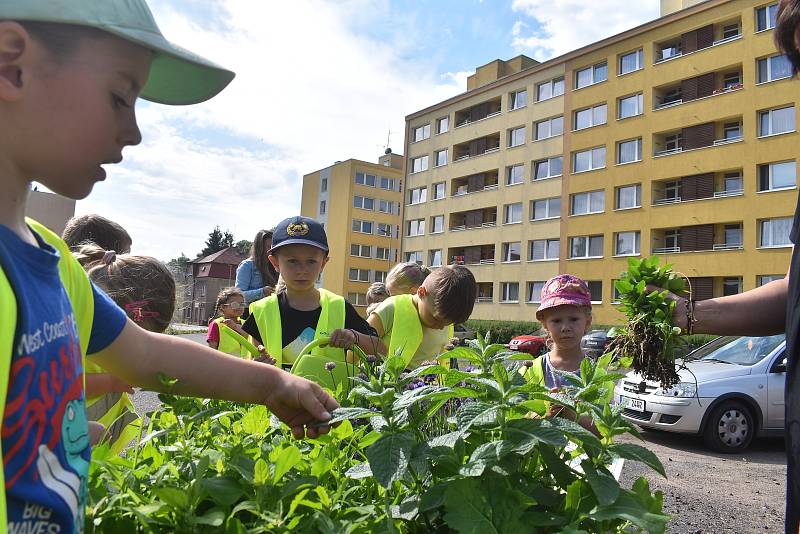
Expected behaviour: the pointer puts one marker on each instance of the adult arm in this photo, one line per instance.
(244, 273)
(138, 357)
(758, 312)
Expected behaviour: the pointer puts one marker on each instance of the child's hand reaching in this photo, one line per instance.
(264, 357)
(301, 403)
(343, 338)
(102, 383)
(558, 410)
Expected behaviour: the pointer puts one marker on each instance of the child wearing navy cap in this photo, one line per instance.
(287, 321)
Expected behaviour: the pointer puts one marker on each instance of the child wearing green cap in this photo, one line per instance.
(70, 74)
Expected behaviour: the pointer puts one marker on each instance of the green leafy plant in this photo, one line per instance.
(431, 450)
(648, 340)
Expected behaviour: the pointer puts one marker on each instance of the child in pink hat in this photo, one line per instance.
(565, 311)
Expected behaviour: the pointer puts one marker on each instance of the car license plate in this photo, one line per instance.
(633, 404)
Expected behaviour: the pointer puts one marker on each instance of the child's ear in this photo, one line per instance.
(15, 45)
(421, 292)
(274, 261)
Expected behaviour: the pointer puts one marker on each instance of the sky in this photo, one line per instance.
(316, 82)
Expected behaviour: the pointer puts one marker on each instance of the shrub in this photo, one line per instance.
(503, 331)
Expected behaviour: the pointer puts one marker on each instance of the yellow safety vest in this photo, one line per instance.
(406, 333)
(535, 374)
(79, 291)
(228, 344)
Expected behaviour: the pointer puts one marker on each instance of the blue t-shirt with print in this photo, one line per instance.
(45, 436)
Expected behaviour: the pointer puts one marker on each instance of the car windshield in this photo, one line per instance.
(739, 350)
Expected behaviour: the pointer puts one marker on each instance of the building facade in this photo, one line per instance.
(675, 138)
(360, 205)
(50, 209)
(205, 278)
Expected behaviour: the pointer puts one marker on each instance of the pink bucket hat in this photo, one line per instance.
(564, 289)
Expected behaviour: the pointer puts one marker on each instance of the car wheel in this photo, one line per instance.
(730, 427)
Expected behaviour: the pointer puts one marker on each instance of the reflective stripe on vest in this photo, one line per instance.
(79, 292)
(227, 343)
(268, 319)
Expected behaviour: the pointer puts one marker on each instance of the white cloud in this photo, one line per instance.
(312, 87)
(564, 25)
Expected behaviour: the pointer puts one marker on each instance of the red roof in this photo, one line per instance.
(228, 256)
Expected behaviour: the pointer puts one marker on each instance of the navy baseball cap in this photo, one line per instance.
(299, 231)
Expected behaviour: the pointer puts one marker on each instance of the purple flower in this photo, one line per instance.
(527, 363)
(470, 369)
(371, 358)
(330, 366)
(362, 376)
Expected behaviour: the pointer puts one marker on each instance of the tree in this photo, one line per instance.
(243, 246)
(214, 243)
(227, 239)
(178, 265)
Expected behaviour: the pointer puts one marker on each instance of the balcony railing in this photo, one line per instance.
(729, 193)
(484, 299)
(666, 250)
(678, 53)
(462, 227)
(669, 103)
(470, 121)
(728, 140)
(467, 156)
(668, 200)
(727, 246)
(458, 193)
(669, 151)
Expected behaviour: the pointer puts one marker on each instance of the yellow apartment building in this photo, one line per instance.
(359, 203)
(675, 138)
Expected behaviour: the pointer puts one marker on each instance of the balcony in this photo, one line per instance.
(473, 219)
(698, 39)
(698, 187)
(475, 183)
(473, 255)
(697, 238)
(476, 147)
(485, 292)
(478, 112)
(704, 135)
(695, 88)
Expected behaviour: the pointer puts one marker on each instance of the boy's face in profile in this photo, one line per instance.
(299, 265)
(67, 116)
(427, 311)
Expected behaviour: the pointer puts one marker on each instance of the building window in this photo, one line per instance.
(591, 75)
(364, 227)
(419, 164)
(518, 99)
(512, 213)
(550, 89)
(543, 249)
(515, 174)
(586, 246)
(733, 235)
(730, 31)
(435, 258)
(549, 128)
(775, 232)
(629, 151)
(546, 208)
(415, 227)
(767, 278)
(630, 106)
(387, 206)
(765, 17)
(516, 136)
(629, 196)
(732, 131)
(364, 203)
(588, 160)
(585, 203)
(593, 116)
(360, 251)
(437, 224)
(323, 185)
(774, 68)
(438, 190)
(418, 195)
(631, 61)
(365, 179)
(415, 257)
(381, 253)
(731, 286)
(548, 168)
(535, 292)
(441, 157)
(595, 290)
(775, 176)
(733, 182)
(672, 240)
(322, 207)
(359, 275)
(442, 125)
(732, 80)
(511, 251)
(627, 243)
(776, 121)
(422, 132)
(510, 292)
(357, 299)
(388, 183)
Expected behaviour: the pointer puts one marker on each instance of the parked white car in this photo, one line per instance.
(731, 390)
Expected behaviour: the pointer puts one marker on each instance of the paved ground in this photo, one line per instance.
(707, 492)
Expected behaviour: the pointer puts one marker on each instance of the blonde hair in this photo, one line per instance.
(377, 292)
(140, 285)
(407, 275)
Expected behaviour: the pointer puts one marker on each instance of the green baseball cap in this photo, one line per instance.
(177, 76)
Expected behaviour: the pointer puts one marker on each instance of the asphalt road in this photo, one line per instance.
(704, 492)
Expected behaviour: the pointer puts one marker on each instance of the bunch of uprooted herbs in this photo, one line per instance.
(649, 337)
